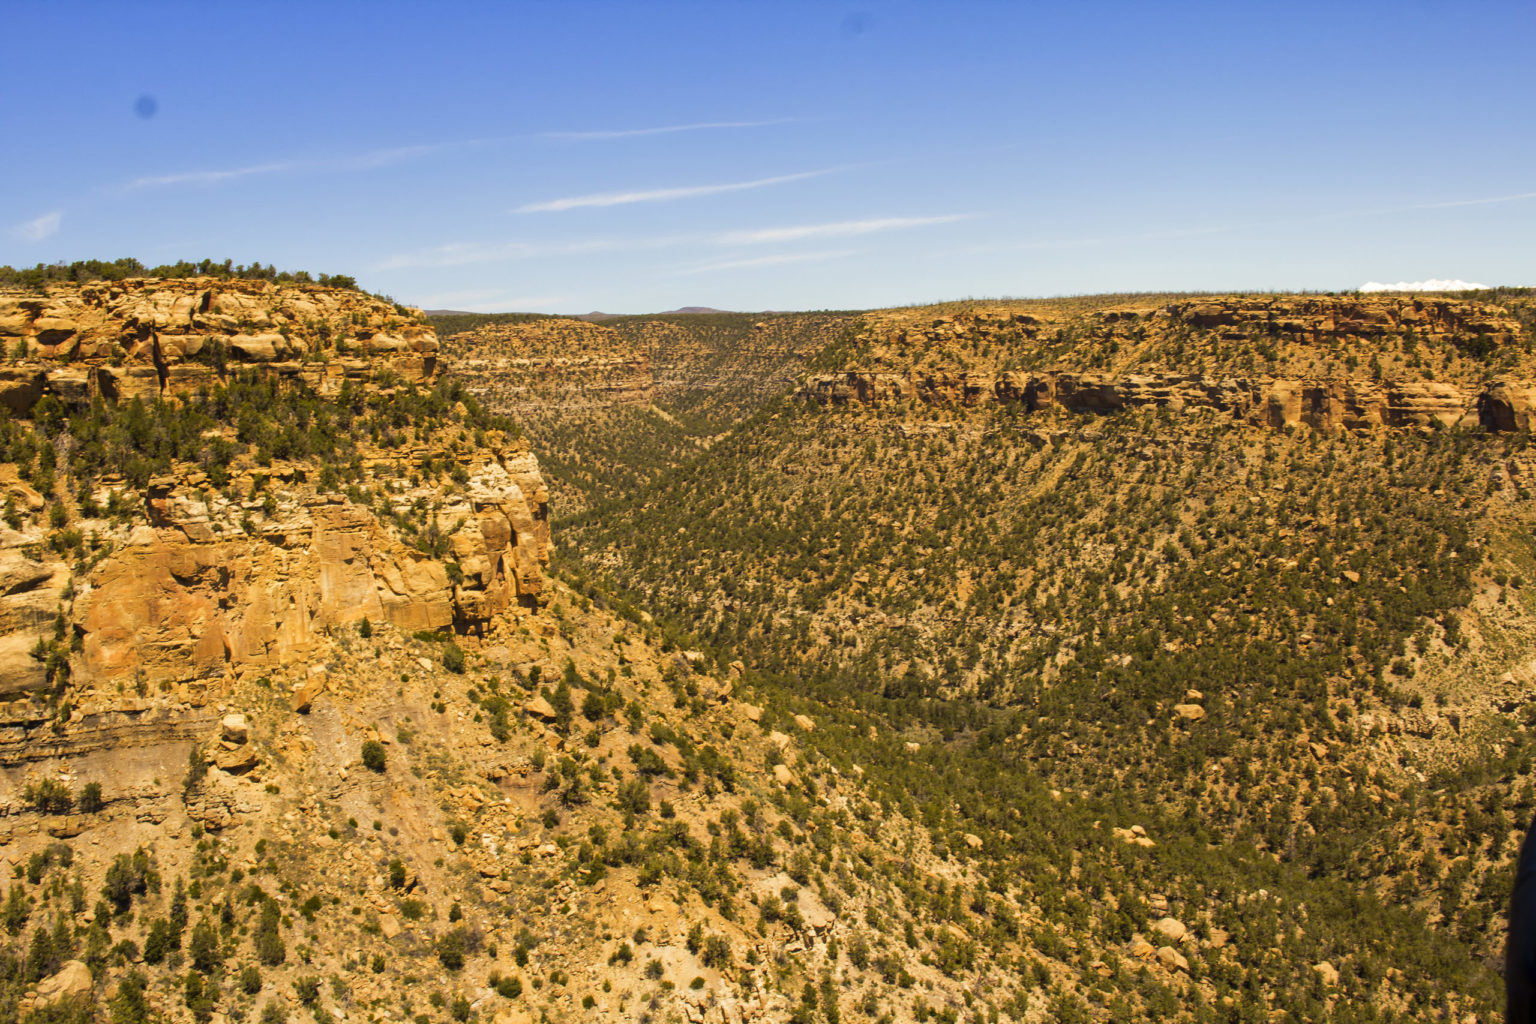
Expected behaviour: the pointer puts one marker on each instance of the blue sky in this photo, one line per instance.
(562, 157)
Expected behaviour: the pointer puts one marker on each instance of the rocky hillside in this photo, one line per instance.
(295, 727)
(611, 405)
(1154, 652)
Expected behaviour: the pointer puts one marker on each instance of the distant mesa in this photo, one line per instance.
(596, 317)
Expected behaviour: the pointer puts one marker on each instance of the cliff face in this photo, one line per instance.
(1290, 335)
(1275, 361)
(190, 581)
(152, 338)
(192, 596)
(1322, 404)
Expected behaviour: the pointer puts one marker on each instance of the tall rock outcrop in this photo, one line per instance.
(191, 581)
(193, 595)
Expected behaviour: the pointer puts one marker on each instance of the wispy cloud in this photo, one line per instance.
(771, 261)
(662, 195)
(39, 228)
(836, 229)
(459, 254)
(630, 133)
(211, 177)
(1431, 285)
(1474, 202)
(350, 162)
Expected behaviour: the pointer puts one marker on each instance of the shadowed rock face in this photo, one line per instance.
(1271, 402)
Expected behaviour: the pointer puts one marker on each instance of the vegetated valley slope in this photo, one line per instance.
(293, 724)
(609, 406)
(1199, 625)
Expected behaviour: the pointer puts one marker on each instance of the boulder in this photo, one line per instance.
(538, 707)
(234, 728)
(1171, 929)
(1172, 959)
(805, 723)
(1189, 712)
(241, 759)
(305, 693)
(72, 981)
(1327, 973)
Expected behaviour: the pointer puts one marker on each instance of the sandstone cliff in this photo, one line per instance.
(151, 338)
(191, 580)
(1275, 361)
(1274, 402)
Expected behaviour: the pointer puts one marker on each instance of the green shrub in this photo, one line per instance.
(268, 941)
(373, 756)
(307, 988)
(450, 949)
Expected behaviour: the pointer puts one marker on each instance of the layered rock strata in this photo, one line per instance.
(1272, 402)
(154, 338)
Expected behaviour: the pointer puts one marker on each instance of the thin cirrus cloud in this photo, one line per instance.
(354, 162)
(398, 154)
(662, 195)
(835, 229)
(631, 133)
(770, 261)
(458, 254)
(211, 177)
(39, 228)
